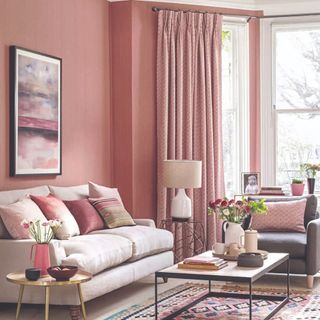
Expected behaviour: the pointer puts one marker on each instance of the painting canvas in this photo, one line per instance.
(35, 113)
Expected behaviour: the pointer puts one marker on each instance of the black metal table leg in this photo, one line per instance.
(209, 286)
(156, 297)
(288, 278)
(250, 300)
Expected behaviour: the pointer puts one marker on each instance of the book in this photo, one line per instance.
(209, 267)
(277, 193)
(271, 188)
(203, 260)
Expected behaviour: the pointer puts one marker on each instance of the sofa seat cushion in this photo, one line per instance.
(95, 253)
(146, 240)
(294, 243)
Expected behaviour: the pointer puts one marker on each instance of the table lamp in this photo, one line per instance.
(182, 174)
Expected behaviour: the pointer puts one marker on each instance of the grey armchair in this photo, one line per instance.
(303, 248)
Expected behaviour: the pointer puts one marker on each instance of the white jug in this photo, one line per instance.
(233, 233)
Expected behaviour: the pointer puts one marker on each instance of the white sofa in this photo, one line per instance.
(116, 257)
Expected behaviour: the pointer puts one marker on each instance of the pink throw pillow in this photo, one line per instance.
(281, 216)
(85, 214)
(96, 191)
(54, 208)
(13, 215)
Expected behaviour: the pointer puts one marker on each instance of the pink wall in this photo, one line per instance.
(121, 75)
(138, 101)
(78, 32)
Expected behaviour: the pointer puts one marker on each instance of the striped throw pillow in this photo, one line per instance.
(112, 212)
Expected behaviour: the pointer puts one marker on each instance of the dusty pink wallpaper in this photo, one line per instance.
(78, 32)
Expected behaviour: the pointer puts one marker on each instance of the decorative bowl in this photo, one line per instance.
(32, 274)
(63, 272)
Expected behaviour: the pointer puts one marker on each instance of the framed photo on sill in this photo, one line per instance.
(35, 113)
(250, 182)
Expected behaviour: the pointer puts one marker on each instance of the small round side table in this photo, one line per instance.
(47, 282)
(193, 235)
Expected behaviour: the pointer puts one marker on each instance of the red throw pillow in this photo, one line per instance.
(281, 216)
(87, 217)
(54, 208)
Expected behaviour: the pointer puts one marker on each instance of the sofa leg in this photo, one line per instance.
(75, 313)
(165, 280)
(310, 281)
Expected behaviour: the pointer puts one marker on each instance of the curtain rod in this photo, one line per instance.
(156, 9)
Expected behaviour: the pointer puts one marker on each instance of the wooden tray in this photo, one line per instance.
(235, 258)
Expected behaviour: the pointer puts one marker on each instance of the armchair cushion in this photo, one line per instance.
(294, 243)
(284, 216)
(310, 212)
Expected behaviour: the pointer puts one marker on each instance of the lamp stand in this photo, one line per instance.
(181, 205)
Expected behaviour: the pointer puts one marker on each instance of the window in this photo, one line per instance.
(234, 105)
(294, 111)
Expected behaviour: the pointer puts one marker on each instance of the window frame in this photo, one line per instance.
(269, 111)
(240, 62)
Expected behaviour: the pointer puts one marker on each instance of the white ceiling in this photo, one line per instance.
(269, 6)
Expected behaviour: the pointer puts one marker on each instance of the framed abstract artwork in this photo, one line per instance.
(35, 112)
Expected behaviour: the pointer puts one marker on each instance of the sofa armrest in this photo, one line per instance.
(145, 222)
(16, 254)
(313, 247)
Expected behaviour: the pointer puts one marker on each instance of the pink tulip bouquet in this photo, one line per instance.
(236, 211)
(42, 232)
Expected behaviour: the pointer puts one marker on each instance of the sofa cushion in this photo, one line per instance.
(281, 216)
(11, 196)
(86, 215)
(97, 252)
(15, 213)
(97, 191)
(53, 208)
(112, 212)
(70, 193)
(293, 243)
(146, 241)
(310, 212)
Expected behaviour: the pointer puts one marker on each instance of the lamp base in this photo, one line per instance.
(181, 206)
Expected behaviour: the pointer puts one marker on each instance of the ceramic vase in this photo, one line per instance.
(297, 189)
(233, 233)
(251, 240)
(41, 257)
(311, 184)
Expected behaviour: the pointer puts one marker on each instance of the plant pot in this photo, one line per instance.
(297, 189)
(311, 184)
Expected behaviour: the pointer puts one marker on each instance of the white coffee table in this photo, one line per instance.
(230, 273)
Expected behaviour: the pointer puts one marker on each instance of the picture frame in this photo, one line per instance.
(35, 113)
(250, 183)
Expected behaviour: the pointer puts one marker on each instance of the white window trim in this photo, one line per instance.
(268, 115)
(241, 92)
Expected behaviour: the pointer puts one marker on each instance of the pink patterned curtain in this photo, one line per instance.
(189, 115)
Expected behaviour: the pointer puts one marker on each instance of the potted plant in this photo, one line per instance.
(297, 187)
(234, 213)
(311, 171)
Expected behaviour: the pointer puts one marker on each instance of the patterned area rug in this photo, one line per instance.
(303, 305)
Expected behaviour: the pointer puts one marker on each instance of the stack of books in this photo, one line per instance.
(271, 191)
(203, 263)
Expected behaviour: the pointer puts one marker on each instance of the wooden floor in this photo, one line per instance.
(137, 292)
